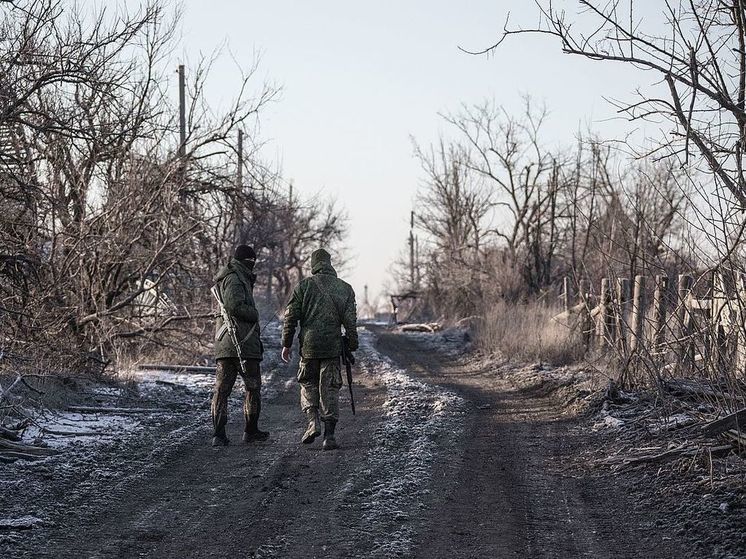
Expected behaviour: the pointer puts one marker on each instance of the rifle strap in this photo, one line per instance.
(224, 328)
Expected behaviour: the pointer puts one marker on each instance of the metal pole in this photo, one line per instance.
(182, 112)
(411, 251)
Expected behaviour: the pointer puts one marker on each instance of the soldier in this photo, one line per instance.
(235, 283)
(322, 304)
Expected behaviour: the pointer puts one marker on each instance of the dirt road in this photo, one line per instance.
(443, 459)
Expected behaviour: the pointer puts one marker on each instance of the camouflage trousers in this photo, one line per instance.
(320, 381)
(225, 377)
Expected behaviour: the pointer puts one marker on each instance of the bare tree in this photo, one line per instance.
(453, 208)
(111, 228)
(700, 56)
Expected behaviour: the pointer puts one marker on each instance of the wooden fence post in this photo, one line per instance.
(586, 322)
(638, 315)
(566, 295)
(719, 316)
(684, 318)
(660, 298)
(740, 357)
(605, 324)
(622, 302)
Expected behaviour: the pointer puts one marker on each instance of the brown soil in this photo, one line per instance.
(504, 480)
(517, 491)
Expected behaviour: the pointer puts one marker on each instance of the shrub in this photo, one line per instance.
(528, 331)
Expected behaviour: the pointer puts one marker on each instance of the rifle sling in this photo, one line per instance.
(224, 328)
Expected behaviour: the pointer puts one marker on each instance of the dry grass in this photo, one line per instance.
(526, 331)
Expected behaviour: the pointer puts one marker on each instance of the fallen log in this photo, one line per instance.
(9, 434)
(681, 452)
(176, 368)
(116, 411)
(738, 438)
(28, 449)
(76, 433)
(8, 456)
(694, 389)
(735, 420)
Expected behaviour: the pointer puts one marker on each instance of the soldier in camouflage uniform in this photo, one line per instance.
(322, 304)
(236, 283)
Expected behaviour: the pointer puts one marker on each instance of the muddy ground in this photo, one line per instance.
(448, 456)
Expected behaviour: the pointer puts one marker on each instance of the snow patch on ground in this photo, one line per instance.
(64, 429)
(451, 341)
(154, 380)
(21, 523)
(420, 422)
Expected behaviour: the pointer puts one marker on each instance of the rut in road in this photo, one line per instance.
(283, 499)
(515, 492)
(446, 458)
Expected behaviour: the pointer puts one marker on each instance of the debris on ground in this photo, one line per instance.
(423, 327)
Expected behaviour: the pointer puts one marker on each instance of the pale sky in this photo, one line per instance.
(360, 78)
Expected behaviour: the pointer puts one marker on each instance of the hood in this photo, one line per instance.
(239, 267)
(321, 263)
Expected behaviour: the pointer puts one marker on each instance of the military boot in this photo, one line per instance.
(330, 443)
(314, 426)
(253, 433)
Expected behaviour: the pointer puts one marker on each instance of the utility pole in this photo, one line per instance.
(411, 251)
(237, 204)
(239, 174)
(366, 305)
(182, 112)
(418, 278)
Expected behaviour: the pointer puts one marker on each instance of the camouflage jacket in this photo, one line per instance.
(236, 282)
(322, 304)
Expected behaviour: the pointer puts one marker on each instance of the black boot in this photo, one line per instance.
(253, 433)
(330, 443)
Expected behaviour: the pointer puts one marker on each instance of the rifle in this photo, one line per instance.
(349, 360)
(229, 325)
(347, 357)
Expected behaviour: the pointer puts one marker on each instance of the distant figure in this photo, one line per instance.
(322, 304)
(235, 285)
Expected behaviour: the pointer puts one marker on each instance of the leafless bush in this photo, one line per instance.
(528, 331)
(111, 227)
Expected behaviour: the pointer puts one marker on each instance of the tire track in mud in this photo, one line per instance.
(370, 499)
(421, 422)
(172, 495)
(516, 490)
